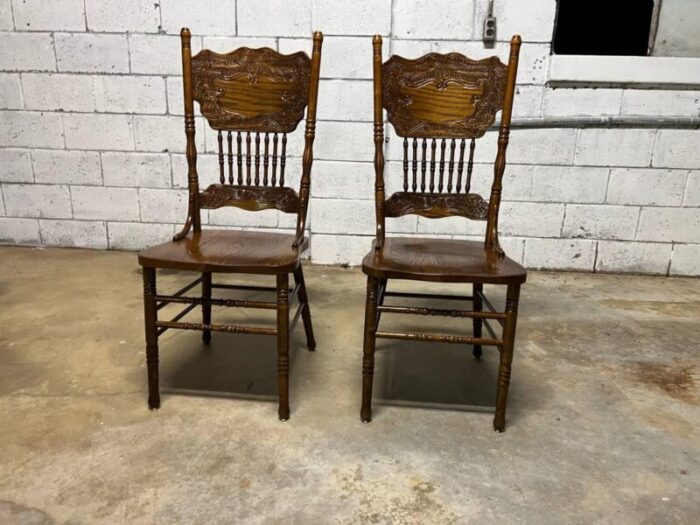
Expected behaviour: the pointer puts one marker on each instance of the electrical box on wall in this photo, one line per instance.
(489, 36)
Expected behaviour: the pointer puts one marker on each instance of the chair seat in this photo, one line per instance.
(227, 251)
(441, 260)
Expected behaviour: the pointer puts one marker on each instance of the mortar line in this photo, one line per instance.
(670, 260)
(12, 16)
(85, 15)
(595, 256)
(55, 53)
(160, 17)
(686, 190)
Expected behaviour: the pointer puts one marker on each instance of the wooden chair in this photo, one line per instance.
(242, 93)
(442, 99)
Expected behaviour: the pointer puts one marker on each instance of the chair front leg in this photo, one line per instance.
(283, 345)
(368, 349)
(206, 305)
(150, 318)
(512, 297)
(306, 310)
(477, 288)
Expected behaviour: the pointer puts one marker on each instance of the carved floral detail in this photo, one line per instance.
(432, 205)
(289, 73)
(251, 198)
(483, 81)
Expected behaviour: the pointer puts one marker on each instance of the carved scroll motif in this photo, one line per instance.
(250, 198)
(443, 95)
(433, 206)
(251, 89)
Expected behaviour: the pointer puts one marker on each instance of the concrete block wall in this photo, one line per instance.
(92, 141)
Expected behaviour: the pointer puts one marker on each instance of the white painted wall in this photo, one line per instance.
(91, 134)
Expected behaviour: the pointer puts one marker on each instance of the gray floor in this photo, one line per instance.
(602, 422)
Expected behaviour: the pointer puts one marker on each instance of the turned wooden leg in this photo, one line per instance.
(150, 317)
(306, 311)
(368, 349)
(206, 305)
(478, 307)
(512, 297)
(283, 345)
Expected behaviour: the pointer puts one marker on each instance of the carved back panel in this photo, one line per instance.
(253, 98)
(439, 103)
(448, 96)
(251, 89)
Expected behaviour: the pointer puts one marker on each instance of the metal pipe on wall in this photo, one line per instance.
(610, 121)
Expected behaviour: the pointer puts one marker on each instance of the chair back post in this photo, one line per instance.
(378, 141)
(193, 216)
(491, 242)
(309, 135)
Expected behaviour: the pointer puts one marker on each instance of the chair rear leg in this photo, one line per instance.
(150, 318)
(206, 305)
(368, 349)
(283, 345)
(512, 297)
(306, 310)
(477, 288)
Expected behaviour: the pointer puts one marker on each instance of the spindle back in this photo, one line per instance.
(440, 104)
(253, 98)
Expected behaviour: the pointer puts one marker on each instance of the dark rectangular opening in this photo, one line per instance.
(603, 27)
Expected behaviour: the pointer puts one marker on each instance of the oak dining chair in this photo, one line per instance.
(438, 103)
(252, 98)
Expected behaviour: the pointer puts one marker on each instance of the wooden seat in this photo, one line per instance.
(252, 99)
(228, 251)
(440, 260)
(437, 104)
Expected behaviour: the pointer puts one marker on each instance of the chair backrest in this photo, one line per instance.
(436, 103)
(253, 98)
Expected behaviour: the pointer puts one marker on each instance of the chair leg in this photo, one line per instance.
(283, 345)
(206, 305)
(368, 349)
(150, 317)
(512, 297)
(306, 311)
(477, 323)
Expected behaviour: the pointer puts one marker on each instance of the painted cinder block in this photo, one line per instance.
(137, 235)
(139, 170)
(273, 18)
(92, 53)
(685, 259)
(423, 19)
(102, 203)
(670, 225)
(677, 148)
(95, 131)
(37, 200)
(15, 165)
(645, 186)
(361, 17)
(559, 254)
(635, 257)
(600, 221)
(134, 16)
(615, 147)
(211, 17)
(40, 15)
(78, 234)
(19, 231)
(66, 167)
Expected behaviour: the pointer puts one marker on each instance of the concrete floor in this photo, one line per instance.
(603, 420)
